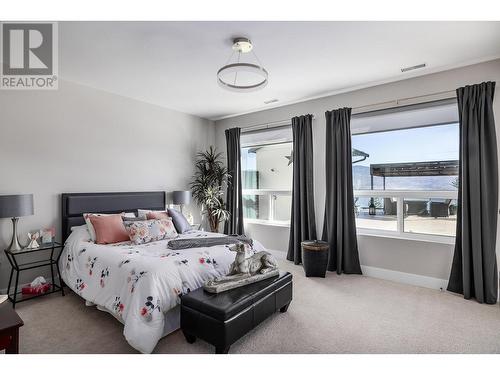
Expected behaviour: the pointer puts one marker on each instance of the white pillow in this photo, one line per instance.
(78, 234)
(79, 227)
(90, 227)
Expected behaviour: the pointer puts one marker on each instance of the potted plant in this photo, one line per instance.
(209, 182)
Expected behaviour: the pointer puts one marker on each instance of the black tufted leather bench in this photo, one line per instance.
(221, 319)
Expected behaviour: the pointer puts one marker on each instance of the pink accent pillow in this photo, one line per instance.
(157, 215)
(109, 229)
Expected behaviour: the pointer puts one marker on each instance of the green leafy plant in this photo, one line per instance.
(209, 183)
(378, 202)
(356, 206)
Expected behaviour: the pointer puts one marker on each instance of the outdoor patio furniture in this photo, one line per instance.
(416, 207)
(390, 206)
(439, 207)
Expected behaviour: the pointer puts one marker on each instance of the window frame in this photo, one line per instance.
(270, 192)
(400, 196)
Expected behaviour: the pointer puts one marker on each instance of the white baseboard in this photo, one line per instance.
(405, 278)
(391, 275)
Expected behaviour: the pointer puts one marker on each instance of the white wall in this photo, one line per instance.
(79, 139)
(274, 171)
(427, 259)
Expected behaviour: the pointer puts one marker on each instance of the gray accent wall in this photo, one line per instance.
(79, 139)
(415, 257)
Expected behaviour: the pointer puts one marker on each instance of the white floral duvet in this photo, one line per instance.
(140, 283)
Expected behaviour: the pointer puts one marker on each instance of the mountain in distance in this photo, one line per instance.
(361, 181)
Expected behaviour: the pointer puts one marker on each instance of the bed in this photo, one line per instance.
(140, 285)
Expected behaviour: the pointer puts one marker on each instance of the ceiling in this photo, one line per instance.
(174, 64)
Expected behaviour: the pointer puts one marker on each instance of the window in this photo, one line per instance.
(267, 176)
(405, 181)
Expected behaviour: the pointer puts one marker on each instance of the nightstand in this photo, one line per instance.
(19, 262)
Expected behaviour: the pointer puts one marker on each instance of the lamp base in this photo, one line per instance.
(14, 244)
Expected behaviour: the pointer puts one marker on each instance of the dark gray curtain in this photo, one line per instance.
(474, 267)
(303, 220)
(339, 227)
(234, 202)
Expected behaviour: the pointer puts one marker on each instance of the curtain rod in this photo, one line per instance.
(366, 108)
(267, 125)
(441, 95)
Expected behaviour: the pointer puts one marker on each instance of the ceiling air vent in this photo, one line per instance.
(270, 101)
(414, 67)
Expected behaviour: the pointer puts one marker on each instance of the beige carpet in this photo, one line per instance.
(339, 314)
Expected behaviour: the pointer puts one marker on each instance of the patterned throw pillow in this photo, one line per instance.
(141, 232)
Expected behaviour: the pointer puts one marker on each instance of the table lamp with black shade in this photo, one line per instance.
(15, 206)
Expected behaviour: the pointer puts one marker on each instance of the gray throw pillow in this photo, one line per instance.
(180, 222)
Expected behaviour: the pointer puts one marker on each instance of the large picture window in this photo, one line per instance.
(266, 165)
(405, 181)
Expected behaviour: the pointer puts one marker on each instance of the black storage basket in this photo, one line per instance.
(315, 258)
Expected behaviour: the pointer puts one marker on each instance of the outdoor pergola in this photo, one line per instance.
(424, 168)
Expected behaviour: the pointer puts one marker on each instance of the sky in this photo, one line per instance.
(430, 143)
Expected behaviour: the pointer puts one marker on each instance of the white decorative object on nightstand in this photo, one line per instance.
(33, 238)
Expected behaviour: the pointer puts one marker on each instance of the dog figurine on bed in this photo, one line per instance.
(244, 270)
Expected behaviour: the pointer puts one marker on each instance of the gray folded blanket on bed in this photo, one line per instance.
(187, 243)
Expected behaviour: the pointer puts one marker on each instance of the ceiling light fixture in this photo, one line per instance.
(242, 76)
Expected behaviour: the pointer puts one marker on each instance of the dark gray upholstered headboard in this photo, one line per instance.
(74, 205)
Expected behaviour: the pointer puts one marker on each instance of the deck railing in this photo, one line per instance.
(407, 214)
(271, 206)
(411, 214)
